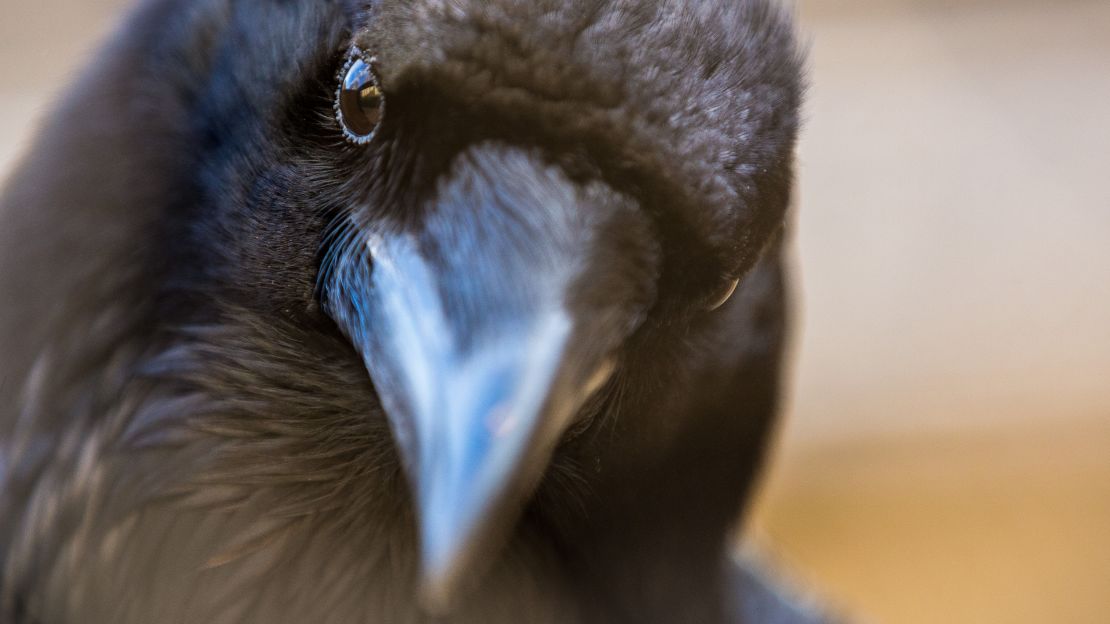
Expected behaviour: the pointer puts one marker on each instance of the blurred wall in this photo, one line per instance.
(947, 452)
(947, 455)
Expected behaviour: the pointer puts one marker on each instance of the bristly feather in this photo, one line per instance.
(186, 435)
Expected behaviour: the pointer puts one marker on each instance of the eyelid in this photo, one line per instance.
(358, 81)
(726, 294)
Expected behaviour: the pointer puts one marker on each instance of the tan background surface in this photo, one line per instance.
(947, 453)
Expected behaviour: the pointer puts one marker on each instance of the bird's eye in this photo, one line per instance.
(359, 103)
(728, 288)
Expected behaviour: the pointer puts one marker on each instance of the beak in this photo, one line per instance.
(473, 330)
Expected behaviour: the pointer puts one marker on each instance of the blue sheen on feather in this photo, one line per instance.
(466, 413)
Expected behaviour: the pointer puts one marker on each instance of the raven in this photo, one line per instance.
(398, 311)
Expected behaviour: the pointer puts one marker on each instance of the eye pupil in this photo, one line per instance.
(361, 102)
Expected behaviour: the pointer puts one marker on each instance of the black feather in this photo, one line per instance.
(187, 436)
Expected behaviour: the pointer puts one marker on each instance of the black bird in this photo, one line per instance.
(399, 311)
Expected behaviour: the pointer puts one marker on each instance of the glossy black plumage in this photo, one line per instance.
(189, 432)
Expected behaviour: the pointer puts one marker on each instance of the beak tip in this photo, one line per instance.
(446, 543)
(440, 567)
(434, 594)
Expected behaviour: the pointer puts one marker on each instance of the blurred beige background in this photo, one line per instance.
(947, 452)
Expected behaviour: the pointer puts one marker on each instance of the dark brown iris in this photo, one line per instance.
(361, 102)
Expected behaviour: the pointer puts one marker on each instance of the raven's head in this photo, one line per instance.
(531, 185)
(504, 210)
